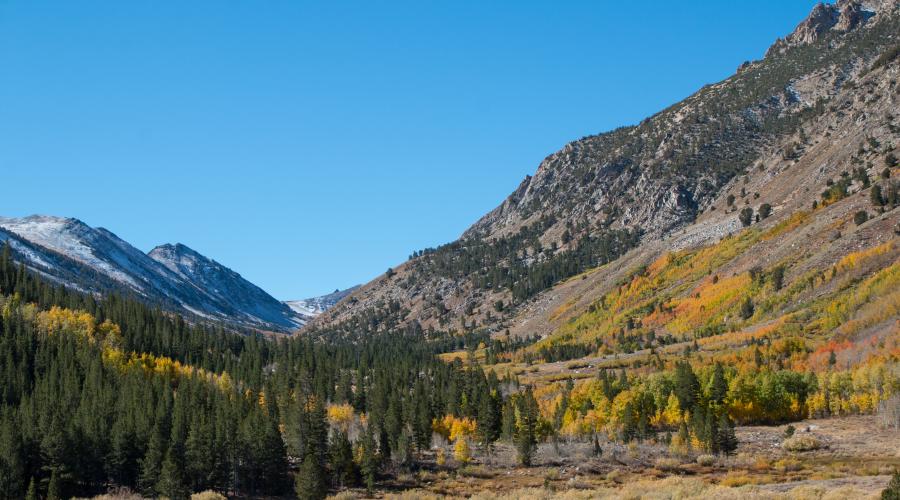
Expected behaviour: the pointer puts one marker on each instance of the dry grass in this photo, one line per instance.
(663, 489)
(788, 465)
(667, 463)
(208, 495)
(119, 494)
(801, 443)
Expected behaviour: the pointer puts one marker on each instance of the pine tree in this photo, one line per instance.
(12, 467)
(53, 488)
(718, 389)
(684, 435)
(727, 440)
(341, 459)
(747, 308)
(31, 494)
(422, 422)
(875, 196)
(526, 439)
(171, 478)
(151, 464)
(687, 386)
(122, 459)
(508, 419)
(273, 461)
(310, 483)
(711, 432)
(368, 462)
(198, 454)
(489, 419)
(892, 492)
(746, 216)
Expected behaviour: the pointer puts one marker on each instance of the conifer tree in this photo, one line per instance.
(171, 478)
(123, 456)
(526, 427)
(368, 461)
(746, 216)
(31, 494)
(687, 387)
(727, 440)
(718, 389)
(310, 484)
(747, 308)
(489, 418)
(892, 492)
(151, 464)
(53, 487)
(12, 467)
(341, 460)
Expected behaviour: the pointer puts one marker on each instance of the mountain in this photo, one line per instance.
(820, 105)
(225, 290)
(72, 253)
(312, 307)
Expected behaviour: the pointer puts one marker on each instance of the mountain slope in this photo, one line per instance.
(173, 276)
(312, 307)
(224, 289)
(587, 204)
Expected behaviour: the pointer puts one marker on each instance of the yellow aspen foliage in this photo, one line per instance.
(113, 357)
(816, 405)
(58, 320)
(462, 428)
(225, 383)
(572, 423)
(340, 416)
(441, 427)
(622, 399)
(461, 451)
(109, 334)
(856, 259)
(441, 458)
(452, 428)
(671, 415)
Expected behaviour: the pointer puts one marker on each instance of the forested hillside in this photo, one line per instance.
(107, 393)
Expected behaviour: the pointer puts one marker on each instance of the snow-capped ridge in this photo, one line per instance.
(70, 252)
(315, 306)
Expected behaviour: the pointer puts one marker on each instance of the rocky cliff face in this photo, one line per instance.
(659, 177)
(840, 17)
(658, 174)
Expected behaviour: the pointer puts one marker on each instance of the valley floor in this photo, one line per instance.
(855, 460)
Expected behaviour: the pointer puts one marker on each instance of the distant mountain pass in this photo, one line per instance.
(310, 308)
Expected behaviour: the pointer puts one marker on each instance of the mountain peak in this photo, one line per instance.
(842, 16)
(168, 251)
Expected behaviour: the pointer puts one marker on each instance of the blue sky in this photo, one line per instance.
(310, 145)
